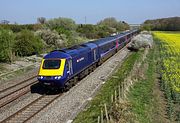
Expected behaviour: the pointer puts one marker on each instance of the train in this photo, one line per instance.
(62, 69)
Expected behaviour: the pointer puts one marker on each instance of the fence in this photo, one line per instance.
(119, 100)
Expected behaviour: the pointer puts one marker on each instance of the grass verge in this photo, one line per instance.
(16, 73)
(92, 110)
(141, 95)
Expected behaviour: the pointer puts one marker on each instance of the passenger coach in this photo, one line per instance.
(63, 68)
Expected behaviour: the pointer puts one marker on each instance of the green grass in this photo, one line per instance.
(92, 111)
(2, 68)
(141, 96)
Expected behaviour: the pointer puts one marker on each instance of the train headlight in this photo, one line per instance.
(57, 77)
(40, 77)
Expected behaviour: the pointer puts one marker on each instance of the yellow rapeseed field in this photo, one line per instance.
(170, 56)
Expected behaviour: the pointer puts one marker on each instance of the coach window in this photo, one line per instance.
(119, 41)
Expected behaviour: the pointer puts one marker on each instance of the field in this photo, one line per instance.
(169, 50)
(171, 58)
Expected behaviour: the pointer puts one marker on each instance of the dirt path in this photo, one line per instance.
(160, 115)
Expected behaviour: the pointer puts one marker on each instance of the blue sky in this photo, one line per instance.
(131, 11)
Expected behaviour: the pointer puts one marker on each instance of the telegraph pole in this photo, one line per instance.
(85, 19)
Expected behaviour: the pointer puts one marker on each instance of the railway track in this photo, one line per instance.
(30, 110)
(14, 92)
(22, 82)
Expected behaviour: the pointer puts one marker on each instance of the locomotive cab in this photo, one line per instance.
(54, 71)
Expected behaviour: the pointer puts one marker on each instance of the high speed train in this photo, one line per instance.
(63, 68)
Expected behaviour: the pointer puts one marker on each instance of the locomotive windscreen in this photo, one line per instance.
(51, 64)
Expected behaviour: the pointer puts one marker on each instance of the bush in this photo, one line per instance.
(65, 23)
(94, 31)
(27, 44)
(88, 31)
(6, 42)
(104, 31)
(113, 23)
(142, 40)
(52, 38)
(18, 28)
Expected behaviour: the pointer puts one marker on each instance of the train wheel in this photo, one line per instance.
(67, 86)
(75, 80)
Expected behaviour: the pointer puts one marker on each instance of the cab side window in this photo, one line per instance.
(67, 65)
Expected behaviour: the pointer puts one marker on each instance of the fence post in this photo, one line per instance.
(112, 100)
(102, 116)
(122, 90)
(98, 119)
(119, 88)
(115, 95)
(106, 112)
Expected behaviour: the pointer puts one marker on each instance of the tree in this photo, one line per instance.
(163, 24)
(65, 23)
(88, 31)
(113, 23)
(41, 20)
(27, 44)
(110, 22)
(51, 38)
(6, 42)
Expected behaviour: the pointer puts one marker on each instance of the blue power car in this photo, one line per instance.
(63, 68)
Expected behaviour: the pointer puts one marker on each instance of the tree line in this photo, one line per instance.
(164, 24)
(29, 39)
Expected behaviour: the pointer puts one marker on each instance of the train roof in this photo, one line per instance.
(77, 49)
(90, 45)
(56, 54)
(71, 51)
(103, 41)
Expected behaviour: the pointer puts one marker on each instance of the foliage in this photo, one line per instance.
(27, 43)
(142, 40)
(121, 112)
(74, 39)
(17, 28)
(104, 31)
(65, 23)
(55, 33)
(87, 30)
(66, 28)
(52, 38)
(6, 42)
(170, 68)
(113, 23)
(94, 31)
(164, 24)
